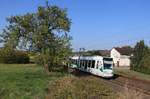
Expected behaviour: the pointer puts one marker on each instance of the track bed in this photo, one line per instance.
(119, 83)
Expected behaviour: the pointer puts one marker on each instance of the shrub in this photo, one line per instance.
(32, 56)
(38, 59)
(21, 57)
(13, 56)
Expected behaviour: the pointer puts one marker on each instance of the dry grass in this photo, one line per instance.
(127, 93)
(87, 88)
(132, 74)
(79, 88)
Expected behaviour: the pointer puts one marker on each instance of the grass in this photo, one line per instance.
(24, 81)
(29, 81)
(79, 88)
(88, 88)
(131, 73)
(127, 93)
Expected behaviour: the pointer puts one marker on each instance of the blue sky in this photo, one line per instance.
(96, 24)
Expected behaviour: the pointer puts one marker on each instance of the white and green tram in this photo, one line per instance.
(97, 65)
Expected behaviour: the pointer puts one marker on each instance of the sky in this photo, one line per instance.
(96, 24)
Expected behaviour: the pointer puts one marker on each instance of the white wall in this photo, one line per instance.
(122, 59)
(115, 55)
(125, 61)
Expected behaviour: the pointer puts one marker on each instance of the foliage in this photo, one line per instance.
(79, 88)
(140, 58)
(145, 63)
(10, 56)
(127, 50)
(24, 81)
(94, 52)
(44, 32)
(32, 56)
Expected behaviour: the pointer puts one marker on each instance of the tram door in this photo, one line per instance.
(96, 68)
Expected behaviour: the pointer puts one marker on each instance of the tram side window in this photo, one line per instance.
(83, 63)
(80, 63)
(72, 61)
(75, 61)
(89, 63)
(93, 64)
(86, 62)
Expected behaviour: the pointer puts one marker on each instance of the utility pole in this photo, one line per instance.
(81, 50)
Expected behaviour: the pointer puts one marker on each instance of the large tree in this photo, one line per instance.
(45, 32)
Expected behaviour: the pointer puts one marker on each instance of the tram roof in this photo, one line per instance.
(89, 57)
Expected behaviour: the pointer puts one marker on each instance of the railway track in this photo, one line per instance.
(134, 84)
(120, 82)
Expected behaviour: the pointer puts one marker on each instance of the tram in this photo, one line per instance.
(97, 65)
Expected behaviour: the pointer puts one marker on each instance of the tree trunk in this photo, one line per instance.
(46, 68)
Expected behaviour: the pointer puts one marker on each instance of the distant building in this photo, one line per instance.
(121, 56)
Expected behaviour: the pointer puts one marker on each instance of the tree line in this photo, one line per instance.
(140, 60)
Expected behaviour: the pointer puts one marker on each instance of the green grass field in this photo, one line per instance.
(24, 81)
(29, 81)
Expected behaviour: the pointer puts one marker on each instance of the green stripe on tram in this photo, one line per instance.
(101, 69)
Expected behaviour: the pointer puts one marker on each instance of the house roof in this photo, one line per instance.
(124, 50)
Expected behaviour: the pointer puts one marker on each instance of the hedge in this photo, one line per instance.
(11, 56)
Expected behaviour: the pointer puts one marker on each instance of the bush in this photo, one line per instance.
(13, 56)
(32, 56)
(38, 59)
(21, 57)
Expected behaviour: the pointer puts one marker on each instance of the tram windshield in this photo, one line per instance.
(107, 66)
(108, 62)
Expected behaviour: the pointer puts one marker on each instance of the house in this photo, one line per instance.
(121, 56)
